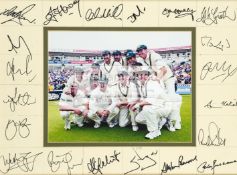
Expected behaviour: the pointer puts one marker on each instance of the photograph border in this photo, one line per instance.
(45, 85)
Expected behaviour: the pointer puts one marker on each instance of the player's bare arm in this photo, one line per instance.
(161, 73)
(122, 104)
(66, 108)
(144, 103)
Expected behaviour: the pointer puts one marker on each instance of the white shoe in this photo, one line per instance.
(135, 128)
(80, 125)
(67, 128)
(153, 134)
(170, 127)
(177, 125)
(97, 125)
(111, 125)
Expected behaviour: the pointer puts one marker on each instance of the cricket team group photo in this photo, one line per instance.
(119, 87)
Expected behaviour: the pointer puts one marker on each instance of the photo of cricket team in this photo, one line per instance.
(135, 81)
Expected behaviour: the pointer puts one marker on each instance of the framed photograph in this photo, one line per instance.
(119, 86)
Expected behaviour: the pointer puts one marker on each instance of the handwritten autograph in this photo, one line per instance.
(179, 13)
(226, 71)
(19, 99)
(169, 167)
(204, 166)
(137, 160)
(208, 41)
(113, 12)
(210, 105)
(17, 16)
(22, 161)
(11, 69)
(229, 103)
(208, 15)
(211, 16)
(20, 127)
(96, 166)
(54, 13)
(55, 162)
(224, 103)
(213, 138)
(135, 16)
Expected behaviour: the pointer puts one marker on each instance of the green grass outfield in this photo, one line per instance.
(88, 134)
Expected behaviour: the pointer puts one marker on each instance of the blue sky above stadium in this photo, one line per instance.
(112, 40)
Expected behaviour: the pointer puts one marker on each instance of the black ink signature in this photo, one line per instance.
(19, 99)
(203, 166)
(18, 16)
(211, 16)
(169, 167)
(20, 127)
(56, 161)
(96, 166)
(23, 161)
(210, 105)
(179, 13)
(209, 67)
(113, 12)
(207, 41)
(224, 103)
(137, 159)
(232, 103)
(11, 70)
(53, 13)
(134, 16)
(213, 138)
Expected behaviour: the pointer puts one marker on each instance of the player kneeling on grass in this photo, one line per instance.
(102, 104)
(75, 103)
(126, 96)
(152, 104)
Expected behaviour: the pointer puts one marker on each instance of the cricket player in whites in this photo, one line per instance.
(126, 96)
(75, 104)
(152, 103)
(159, 67)
(110, 68)
(163, 74)
(117, 55)
(79, 78)
(102, 104)
(93, 77)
